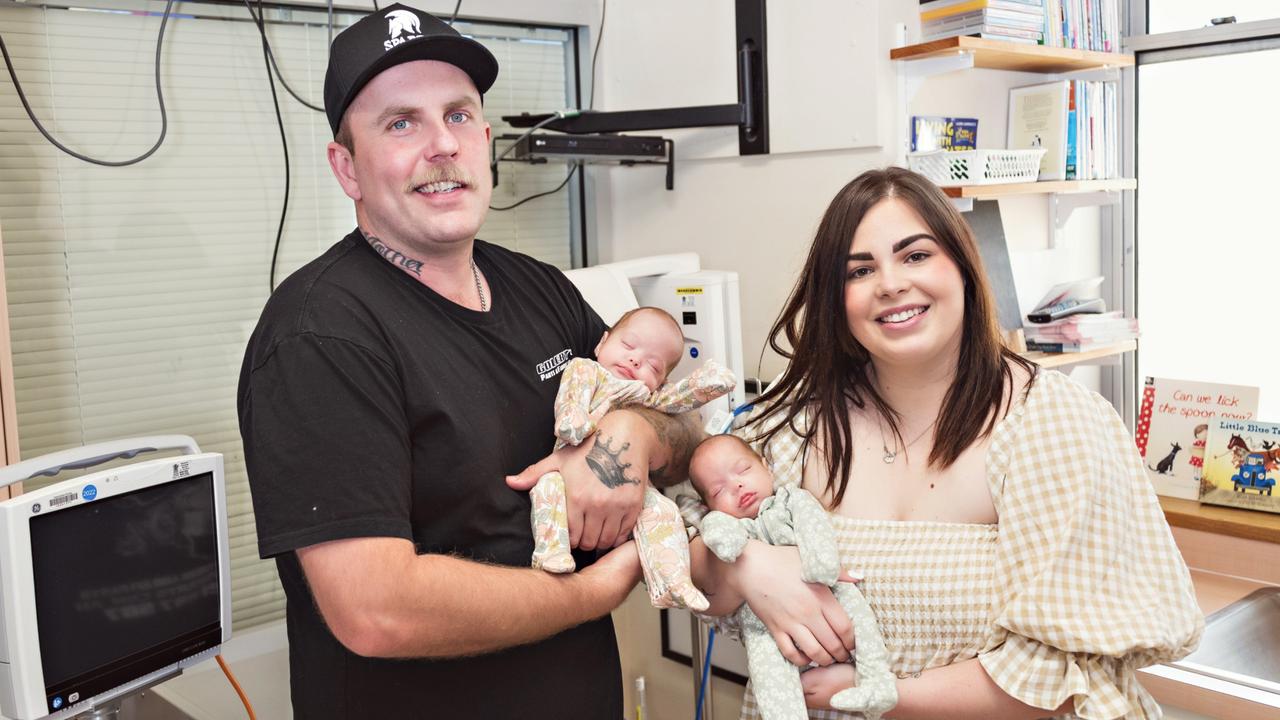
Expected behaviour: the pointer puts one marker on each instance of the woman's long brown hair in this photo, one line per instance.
(827, 369)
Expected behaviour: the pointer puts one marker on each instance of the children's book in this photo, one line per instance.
(932, 132)
(1241, 465)
(1071, 151)
(1173, 429)
(1038, 119)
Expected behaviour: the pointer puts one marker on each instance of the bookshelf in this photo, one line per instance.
(994, 192)
(1055, 360)
(1020, 57)
(923, 60)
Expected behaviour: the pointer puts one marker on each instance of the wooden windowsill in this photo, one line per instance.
(1235, 522)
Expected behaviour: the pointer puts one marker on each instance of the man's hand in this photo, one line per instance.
(618, 570)
(604, 477)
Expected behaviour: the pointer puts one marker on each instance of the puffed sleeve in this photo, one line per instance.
(1092, 586)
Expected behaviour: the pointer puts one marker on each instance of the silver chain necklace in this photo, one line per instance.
(890, 456)
(484, 307)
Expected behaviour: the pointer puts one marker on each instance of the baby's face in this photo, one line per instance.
(645, 348)
(731, 478)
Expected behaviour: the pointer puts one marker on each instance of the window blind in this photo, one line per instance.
(132, 291)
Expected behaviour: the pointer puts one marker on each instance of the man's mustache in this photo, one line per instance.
(439, 174)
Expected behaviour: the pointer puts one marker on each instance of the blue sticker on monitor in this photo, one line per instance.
(693, 352)
(89, 492)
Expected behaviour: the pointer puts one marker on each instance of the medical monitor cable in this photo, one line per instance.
(244, 699)
(164, 118)
(284, 142)
(545, 193)
(493, 166)
(591, 103)
(604, 8)
(262, 30)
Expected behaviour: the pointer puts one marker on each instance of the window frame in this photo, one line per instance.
(1121, 382)
(284, 14)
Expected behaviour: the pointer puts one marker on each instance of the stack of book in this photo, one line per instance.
(1081, 333)
(1083, 24)
(1015, 20)
(1076, 121)
(1093, 131)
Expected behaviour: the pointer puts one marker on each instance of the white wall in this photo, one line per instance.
(757, 215)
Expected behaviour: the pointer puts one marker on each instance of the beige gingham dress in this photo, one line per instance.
(1077, 586)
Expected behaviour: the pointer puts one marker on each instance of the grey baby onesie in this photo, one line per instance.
(794, 517)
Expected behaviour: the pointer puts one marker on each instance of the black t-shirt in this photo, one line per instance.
(370, 406)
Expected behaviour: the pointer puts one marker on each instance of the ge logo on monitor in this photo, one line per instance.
(35, 508)
(90, 492)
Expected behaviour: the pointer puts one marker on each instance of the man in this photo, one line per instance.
(389, 389)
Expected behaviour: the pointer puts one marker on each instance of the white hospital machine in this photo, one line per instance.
(704, 302)
(112, 581)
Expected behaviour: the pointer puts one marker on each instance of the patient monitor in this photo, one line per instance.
(704, 302)
(112, 581)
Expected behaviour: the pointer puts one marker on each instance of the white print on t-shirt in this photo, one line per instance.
(554, 365)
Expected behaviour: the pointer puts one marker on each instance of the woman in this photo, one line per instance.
(1017, 560)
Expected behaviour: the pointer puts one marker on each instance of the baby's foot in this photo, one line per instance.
(689, 597)
(872, 699)
(554, 562)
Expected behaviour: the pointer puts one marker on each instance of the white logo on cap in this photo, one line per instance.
(402, 27)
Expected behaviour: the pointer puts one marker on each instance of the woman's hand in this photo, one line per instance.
(819, 684)
(805, 619)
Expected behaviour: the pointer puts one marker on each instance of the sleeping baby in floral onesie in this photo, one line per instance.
(738, 488)
(633, 360)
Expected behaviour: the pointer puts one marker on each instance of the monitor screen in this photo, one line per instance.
(124, 586)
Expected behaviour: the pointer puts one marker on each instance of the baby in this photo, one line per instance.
(738, 488)
(633, 361)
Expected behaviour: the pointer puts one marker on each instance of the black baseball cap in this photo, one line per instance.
(390, 36)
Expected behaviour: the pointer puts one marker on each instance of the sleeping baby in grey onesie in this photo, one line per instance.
(735, 483)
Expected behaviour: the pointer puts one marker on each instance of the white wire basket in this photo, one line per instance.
(977, 167)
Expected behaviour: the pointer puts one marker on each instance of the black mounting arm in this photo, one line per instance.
(750, 114)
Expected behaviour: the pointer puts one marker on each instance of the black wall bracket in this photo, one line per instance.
(750, 114)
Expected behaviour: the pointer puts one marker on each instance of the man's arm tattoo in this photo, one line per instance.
(395, 257)
(605, 463)
(680, 434)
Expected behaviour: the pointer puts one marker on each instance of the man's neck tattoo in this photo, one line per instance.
(605, 464)
(395, 257)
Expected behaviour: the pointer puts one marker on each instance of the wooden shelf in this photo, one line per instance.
(1236, 522)
(991, 192)
(1005, 55)
(1051, 360)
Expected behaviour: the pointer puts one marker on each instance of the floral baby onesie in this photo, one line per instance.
(587, 392)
